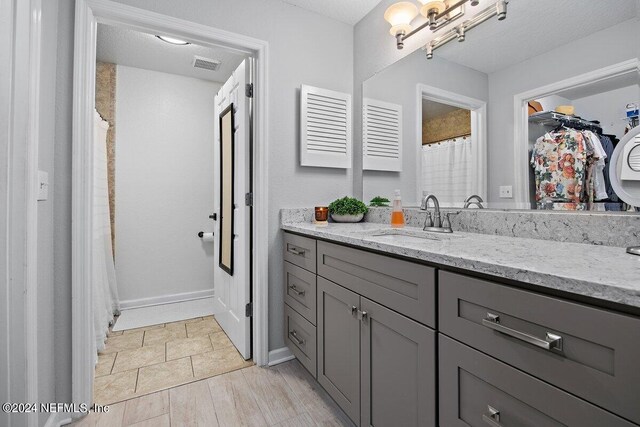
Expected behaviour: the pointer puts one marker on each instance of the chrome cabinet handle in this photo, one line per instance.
(294, 335)
(363, 316)
(296, 290)
(493, 417)
(550, 342)
(295, 251)
(353, 310)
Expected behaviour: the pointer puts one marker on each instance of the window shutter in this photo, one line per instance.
(381, 135)
(325, 128)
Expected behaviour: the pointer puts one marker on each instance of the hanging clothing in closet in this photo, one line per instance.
(559, 160)
(569, 167)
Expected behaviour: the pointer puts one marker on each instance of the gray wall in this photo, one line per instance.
(304, 48)
(596, 51)
(398, 84)
(164, 181)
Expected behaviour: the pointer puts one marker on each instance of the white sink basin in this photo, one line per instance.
(403, 235)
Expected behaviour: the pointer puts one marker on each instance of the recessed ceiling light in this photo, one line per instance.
(173, 40)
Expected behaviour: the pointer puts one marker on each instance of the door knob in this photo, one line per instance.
(214, 216)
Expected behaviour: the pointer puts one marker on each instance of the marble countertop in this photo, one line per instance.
(602, 272)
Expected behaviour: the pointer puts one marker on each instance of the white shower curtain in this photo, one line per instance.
(105, 292)
(447, 170)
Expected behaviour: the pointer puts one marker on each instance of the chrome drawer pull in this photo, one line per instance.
(353, 310)
(551, 341)
(493, 418)
(295, 251)
(298, 292)
(294, 335)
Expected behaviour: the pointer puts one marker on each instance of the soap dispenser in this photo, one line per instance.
(397, 216)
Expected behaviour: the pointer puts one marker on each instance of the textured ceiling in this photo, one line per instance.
(134, 49)
(348, 11)
(533, 27)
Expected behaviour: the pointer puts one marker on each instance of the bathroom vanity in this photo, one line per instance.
(419, 329)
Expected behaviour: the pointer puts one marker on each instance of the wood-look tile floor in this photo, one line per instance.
(141, 361)
(285, 395)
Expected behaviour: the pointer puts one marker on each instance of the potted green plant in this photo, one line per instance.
(347, 209)
(379, 201)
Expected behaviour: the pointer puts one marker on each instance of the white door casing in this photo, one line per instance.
(233, 293)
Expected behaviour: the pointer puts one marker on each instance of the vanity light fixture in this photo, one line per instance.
(173, 40)
(438, 14)
(400, 15)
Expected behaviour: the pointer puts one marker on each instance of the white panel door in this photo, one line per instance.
(233, 293)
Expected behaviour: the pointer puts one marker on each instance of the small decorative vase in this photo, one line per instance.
(347, 218)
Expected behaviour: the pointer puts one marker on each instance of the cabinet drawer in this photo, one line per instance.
(590, 352)
(300, 291)
(479, 391)
(300, 251)
(301, 338)
(403, 286)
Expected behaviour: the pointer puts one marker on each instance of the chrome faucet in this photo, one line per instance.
(435, 222)
(470, 201)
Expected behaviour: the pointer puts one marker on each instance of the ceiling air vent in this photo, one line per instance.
(205, 63)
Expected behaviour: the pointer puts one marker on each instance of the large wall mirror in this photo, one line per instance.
(524, 113)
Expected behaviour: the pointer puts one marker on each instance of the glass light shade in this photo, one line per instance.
(429, 5)
(400, 15)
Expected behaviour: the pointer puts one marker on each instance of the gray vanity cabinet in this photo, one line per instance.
(378, 365)
(339, 346)
(589, 352)
(365, 325)
(397, 369)
(476, 390)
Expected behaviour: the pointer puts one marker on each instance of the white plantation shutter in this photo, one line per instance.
(381, 135)
(325, 128)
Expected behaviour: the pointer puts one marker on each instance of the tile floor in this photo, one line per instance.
(136, 362)
(284, 395)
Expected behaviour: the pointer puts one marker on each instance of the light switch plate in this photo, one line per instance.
(43, 186)
(506, 192)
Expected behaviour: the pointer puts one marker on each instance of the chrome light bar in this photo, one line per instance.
(499, 9)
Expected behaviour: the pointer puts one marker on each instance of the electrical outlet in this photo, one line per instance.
(506, 192)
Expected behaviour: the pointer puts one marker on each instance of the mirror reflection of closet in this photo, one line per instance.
(589, 70)
(572, 135)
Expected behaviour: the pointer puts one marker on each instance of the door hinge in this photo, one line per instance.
(248, 199)
(248, 310)
(248, 90)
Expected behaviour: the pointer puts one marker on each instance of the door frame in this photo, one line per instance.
(521, 119)
(20, 128)
(478, 110)
(88, 14)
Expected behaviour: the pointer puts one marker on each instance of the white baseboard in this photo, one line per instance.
(280, 355)
(58, 419)
(165, 299)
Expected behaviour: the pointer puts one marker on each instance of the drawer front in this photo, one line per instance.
(403, 286)
(301, 338)
(586, 351)
(300, 251)
(300, 291)
(479, 391)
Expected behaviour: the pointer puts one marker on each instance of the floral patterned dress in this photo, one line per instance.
(560, 162)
